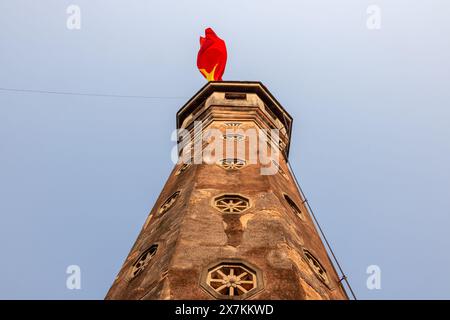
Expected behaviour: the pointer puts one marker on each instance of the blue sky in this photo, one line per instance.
(370, 144)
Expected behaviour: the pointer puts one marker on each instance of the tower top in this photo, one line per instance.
(234, 91)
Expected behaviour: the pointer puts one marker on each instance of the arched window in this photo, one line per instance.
(182, 168)
(280, 170)
(293, 206)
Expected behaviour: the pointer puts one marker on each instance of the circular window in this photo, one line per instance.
(231, 203)
(316, 266)
(232, 280)
(169, 203)
(143, 260)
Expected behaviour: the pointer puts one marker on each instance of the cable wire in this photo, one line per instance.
(87, 94)
(343, 276)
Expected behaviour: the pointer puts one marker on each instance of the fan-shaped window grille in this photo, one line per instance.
(232, 163)
(231, 203)
(316, 267)
(169, 203)
(234, 136)
(143, 260)
(232, 280)
(233, 124)
(293, 206)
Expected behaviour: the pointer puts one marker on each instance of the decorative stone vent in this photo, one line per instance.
(231, 203)
(293, 206)
(143, 260)
(235, 96)
(232, 280)
(233, 124)
(234, 136)
(232, 163)
(316, 266)
(168, 203)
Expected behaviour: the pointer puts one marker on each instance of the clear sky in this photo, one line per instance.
(370, 144)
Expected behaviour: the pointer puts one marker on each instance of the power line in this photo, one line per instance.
(343, 275)
(70, 93)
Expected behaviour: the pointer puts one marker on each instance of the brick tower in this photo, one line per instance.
(223, 229)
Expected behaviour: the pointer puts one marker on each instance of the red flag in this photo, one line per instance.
(212, 56)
